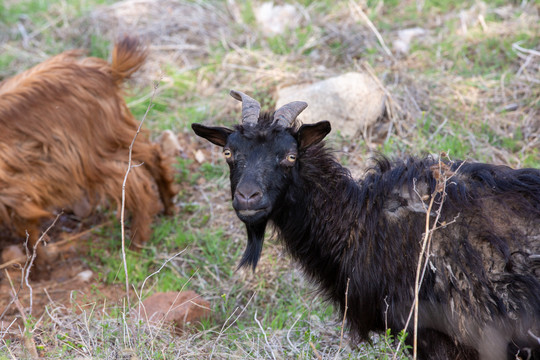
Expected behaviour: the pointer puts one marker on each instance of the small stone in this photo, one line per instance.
(199, 156)
(275, 19)
(14, 254)
(177, 308)
(84, 276)
(405, 36)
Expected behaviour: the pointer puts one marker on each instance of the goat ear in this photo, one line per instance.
(216, 135)
(311, 134)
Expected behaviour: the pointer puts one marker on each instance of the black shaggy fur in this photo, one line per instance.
(480, 297)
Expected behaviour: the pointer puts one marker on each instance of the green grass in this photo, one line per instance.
(99, 47)
(174, 107)
(247, 13)
(292, 41)
(5, 61)
(290, 297)
(278, 45)
(11, 13)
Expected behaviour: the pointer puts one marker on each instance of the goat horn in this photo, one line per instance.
(250, 107)
(286, 114)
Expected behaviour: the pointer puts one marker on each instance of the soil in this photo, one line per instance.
(70, 282)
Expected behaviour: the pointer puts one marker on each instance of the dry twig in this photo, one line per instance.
(264, 333)
(442, 175)
(344, 314)
(130, 166)
(356, 8)
(223, 328)
(26, 336)
(315, 352)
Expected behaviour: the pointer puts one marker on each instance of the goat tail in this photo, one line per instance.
(128, 55)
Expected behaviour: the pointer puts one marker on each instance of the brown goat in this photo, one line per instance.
(66, 132)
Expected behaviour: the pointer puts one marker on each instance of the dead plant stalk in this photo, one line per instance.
(444, 175)
(344, 316)
(26, 336)
(428, 234)
(123, 207)
(31, 260)
(224, 329)
(358, 9)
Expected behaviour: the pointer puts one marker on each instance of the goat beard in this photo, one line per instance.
(254, 246)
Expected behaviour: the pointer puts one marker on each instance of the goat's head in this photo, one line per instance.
(263, 154)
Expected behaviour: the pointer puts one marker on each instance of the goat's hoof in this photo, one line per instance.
(38, 274)
(136, 246)
(41, 268)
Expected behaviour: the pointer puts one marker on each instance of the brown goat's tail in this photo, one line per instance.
(128, 55)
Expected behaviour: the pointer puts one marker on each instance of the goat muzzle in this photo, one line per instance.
(249, 203)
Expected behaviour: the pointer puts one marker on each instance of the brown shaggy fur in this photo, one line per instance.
(66, 132)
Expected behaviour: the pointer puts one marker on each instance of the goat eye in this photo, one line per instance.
(227, 153)
(291, 158)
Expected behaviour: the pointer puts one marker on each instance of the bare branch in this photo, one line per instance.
(29, 264)
(223, 328)
(442, 176)
(354, 6)
(123, 207)
(264, 333)
(344, 314)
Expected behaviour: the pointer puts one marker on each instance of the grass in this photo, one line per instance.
(452, 89)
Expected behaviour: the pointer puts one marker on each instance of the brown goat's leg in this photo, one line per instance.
(164, 181)
(159, 166)
(166, 192)
(143, 204)
(41, 265)
(140, 230)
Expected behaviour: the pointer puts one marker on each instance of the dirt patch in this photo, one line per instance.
(70, 281)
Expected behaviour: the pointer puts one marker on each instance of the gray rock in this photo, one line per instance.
(352, 102)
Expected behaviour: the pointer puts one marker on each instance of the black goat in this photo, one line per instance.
(480, 295)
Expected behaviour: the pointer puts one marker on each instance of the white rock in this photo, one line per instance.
(85, 275)
(275, 19)
(403, 42)
(351, 102)
(199, 156)
(472, 16)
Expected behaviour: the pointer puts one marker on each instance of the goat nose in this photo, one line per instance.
(248, 197)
